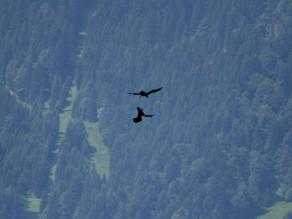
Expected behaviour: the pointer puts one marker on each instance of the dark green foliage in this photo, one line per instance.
(219, 144)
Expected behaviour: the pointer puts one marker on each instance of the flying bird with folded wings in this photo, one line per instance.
(140, 114)
(146, 94)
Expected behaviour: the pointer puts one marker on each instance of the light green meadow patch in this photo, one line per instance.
(102, 156)
(46, 109)
(34, 203)
(53, 172)
(277, 211)
(64, 118)
(66, 115)
(82, 33)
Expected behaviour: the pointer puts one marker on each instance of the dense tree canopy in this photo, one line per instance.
(219, 144)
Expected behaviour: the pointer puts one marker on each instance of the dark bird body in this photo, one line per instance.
(140, 115)
(146, 94)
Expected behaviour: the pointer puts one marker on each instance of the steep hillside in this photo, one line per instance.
(219, 144)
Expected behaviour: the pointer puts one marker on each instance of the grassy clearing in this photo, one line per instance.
(102, 156)
(34, 204)
(64, 119)
(279, 210)
(82, 33)
(53, 173)
(66, 115)
(46, 109)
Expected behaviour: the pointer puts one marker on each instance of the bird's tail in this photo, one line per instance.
(148, 115)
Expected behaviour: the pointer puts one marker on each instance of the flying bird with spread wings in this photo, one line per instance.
(145, 94)
(140, 115)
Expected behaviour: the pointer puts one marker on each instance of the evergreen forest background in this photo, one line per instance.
(219, 145)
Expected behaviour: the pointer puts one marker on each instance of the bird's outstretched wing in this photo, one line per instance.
(154, 90)
(134, 93)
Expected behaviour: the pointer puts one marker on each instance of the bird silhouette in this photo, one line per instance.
(140, 115)
(145, 94)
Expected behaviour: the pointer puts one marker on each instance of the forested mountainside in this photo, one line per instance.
(219, 144)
